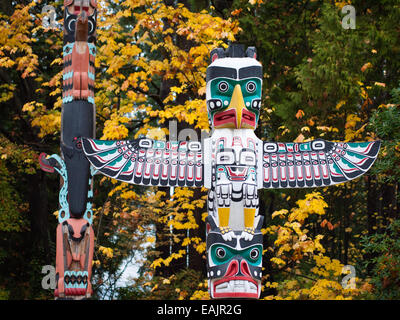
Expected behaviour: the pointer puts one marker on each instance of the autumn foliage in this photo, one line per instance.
(320, 80)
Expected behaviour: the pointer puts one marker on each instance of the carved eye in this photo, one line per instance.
(248, 158)
(251, 87)
(225, 157)
(220, 252)
(254, 253)
(223, 86)
(91, 27)
(71, 25)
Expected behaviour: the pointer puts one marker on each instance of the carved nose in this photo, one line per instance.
(244, 268)
(233, 269)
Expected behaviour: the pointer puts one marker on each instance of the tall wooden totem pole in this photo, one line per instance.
(233, 164)
(75, 237)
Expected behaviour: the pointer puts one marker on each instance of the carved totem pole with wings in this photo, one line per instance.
(75, 237)
(233, 164)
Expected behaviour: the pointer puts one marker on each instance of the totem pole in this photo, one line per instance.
(75, 237)
(233, 164)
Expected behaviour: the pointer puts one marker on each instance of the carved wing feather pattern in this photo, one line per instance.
(316, 163)
(148, 162)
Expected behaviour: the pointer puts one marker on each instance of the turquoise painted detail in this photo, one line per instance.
(222, 89)
(115, 161)
(88, 216)
(337, 169)
(63, 212)
(106, 153)
(67, 99)
(348, 163)
(90, 100)
(68, 75)
(67, 49)
(93, 171)
(76, 274)
(221, 169)
(289, 145)
(92, 48)
(221, 254)
(91, 75)
(104, 142)
(252, 172)
(126, 167)
(229, 85)
(358, 144)
(174, 144)
(183, 147)
(158, 144)
(62, 196)
(305, 146)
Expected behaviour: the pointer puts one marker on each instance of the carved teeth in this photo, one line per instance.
(243, 286)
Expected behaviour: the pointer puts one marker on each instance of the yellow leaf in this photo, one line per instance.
(340, 104)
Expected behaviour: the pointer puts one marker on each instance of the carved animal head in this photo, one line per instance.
(234, 82)
(80, 19)
(234, 267)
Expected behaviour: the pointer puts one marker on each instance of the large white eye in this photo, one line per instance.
(251, 86)
(223, 86)
(220, 253)
(254, 253)
(225, 157)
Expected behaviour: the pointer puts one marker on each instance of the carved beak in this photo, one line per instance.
(81, 29)
(237, 103)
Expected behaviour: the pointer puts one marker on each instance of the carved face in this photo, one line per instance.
(234, 92)
(236, 165)
(73, 9)
(233, 267)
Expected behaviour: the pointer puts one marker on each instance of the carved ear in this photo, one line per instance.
(251, 52)
(68, 2)
(217, 53)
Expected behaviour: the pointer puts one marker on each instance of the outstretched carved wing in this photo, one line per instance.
(148, 162)
(316, 163)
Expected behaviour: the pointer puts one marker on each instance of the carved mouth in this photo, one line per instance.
(248, 119)
(224, 118)
(237, 173)
(236, 287)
